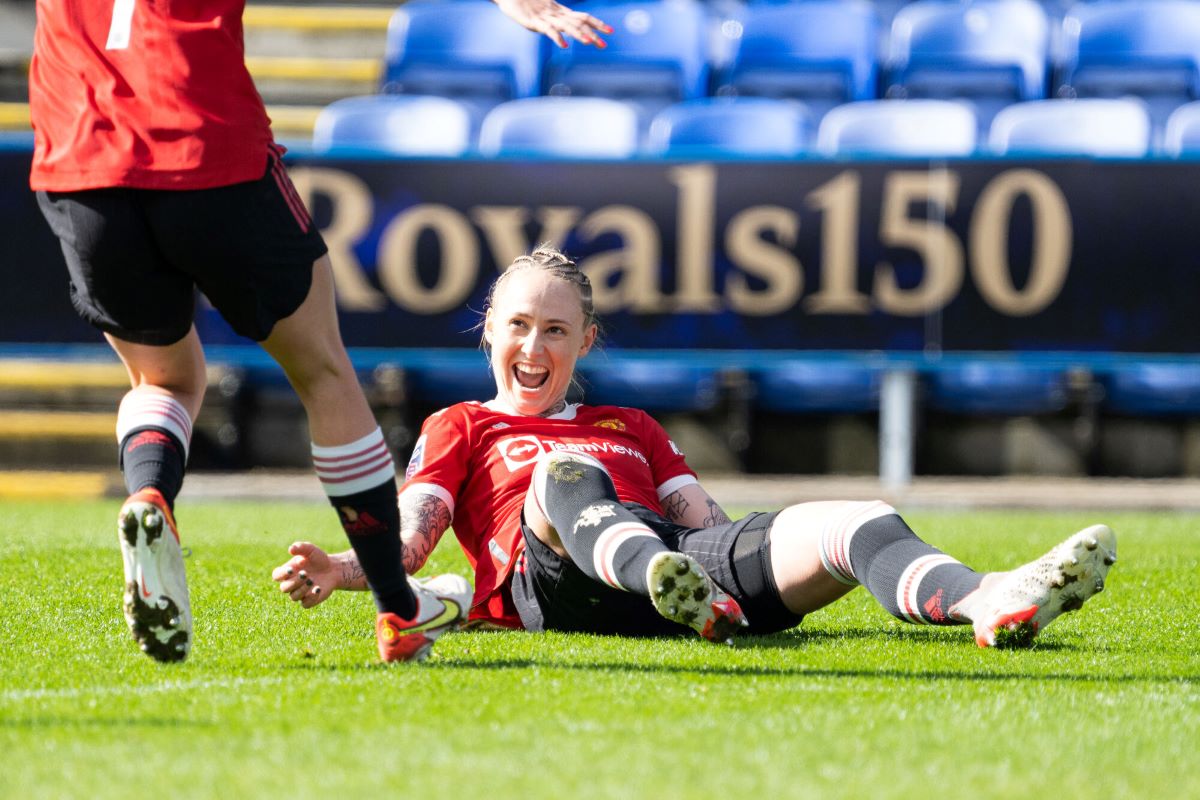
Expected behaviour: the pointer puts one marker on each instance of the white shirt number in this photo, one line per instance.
(122, 22)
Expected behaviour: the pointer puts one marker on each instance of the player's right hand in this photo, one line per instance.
(555, 20)
(309, 576)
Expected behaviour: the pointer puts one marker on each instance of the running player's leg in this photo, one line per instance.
(154, 426)
(268, 275)
(349, 452)
(154, 422)
(122, 284)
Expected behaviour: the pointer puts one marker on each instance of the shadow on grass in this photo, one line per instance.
(792, 640)
(728, 670)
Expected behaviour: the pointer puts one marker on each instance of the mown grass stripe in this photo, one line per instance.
(73, 692)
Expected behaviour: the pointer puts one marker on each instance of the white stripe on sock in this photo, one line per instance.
(351, 468)
(142, 409)
(608, 542)
(839, 531)
(910, 582)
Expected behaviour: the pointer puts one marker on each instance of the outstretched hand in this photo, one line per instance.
(555, 20)
(309, 576)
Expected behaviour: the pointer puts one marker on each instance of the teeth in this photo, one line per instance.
(530, 369)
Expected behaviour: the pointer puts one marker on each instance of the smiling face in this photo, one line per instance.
(537, 330)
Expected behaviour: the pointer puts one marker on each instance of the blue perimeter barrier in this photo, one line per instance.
(799, 382)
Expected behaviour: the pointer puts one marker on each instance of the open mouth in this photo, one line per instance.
(530, 376)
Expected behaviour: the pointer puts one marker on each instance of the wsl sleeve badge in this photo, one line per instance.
(416, 459)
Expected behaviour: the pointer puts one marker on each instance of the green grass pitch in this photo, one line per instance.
(280, 702)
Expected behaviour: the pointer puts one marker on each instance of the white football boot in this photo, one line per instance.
(443, 603)
(682, 592)
(157, 606)
(1011, 611)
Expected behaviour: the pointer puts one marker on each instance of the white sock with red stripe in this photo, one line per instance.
(607, 541)
(154, 432)
(360, 480)
(838, 531)
(355, 467)
(149, 408)
(914, 581)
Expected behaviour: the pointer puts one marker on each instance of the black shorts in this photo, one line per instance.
(551, 593)
(136, 256)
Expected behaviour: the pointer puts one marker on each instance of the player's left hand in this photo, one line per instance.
(556, 21)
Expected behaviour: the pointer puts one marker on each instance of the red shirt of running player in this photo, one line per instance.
(144, 94)
(478, 460)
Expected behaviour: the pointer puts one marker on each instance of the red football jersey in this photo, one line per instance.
(479, 458)
(149, 94)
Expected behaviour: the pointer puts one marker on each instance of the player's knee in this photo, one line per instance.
(567, 467)
(563, 482)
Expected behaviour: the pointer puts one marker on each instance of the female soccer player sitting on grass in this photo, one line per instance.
(587, 518)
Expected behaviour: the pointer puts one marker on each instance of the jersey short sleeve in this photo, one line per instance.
(667, 462)
(440, 459)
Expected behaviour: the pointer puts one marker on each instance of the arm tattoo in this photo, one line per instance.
(675, 505)
(352, 575)
(715, 515)
(423, 520)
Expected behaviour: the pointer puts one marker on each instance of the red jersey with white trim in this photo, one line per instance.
(479, 459)
(149, 94)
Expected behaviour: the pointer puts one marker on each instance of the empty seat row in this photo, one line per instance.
(823, 52)
(589, 127)
(821, 386)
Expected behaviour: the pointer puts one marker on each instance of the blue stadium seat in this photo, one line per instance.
(1152, 389)
(990, 52)
(465, 49)
(654, 385)
(822, 53)
(402, 125)
(1146, 48)
(998, 388)
(751, 126)
(656, 55)
(565, 127)
(816, 387)
(898, 128)
(1182, 136)
(1100, 128)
